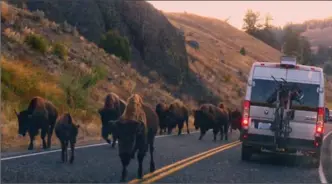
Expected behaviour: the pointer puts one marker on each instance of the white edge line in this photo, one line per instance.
(78, 147)
(321, 173)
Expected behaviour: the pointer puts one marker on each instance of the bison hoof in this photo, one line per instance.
(30, 148)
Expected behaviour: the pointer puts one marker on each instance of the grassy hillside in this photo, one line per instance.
(218, 61)
(40, 57)
(154, 41)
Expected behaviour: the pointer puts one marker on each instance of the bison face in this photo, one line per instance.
(107, 115)
(23, 122)
(196, 119)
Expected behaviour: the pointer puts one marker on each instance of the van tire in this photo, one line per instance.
(246, 153)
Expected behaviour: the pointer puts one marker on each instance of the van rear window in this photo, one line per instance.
(262, 89)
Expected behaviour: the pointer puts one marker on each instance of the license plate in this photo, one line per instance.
(264, 126)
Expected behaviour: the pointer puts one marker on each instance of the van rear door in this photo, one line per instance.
(262, 113)
(305, 115)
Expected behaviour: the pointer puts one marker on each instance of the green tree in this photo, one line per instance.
(250, 20)
(305, 54)
(290, 42)
(267, 21)
(115, 44)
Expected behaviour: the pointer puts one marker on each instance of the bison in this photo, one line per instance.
(112, 110)
(136, 130)
(209, 116)
(176, 115)
(40, 114)
(161, 110)
(236, 117)
(66, 131)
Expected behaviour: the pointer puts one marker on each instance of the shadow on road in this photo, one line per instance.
(282, 160)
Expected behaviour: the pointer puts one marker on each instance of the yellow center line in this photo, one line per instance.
(181, 162)
(174, 169)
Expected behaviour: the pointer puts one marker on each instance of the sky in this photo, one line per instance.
(282, 12)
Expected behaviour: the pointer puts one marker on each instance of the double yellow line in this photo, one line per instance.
(169, 169)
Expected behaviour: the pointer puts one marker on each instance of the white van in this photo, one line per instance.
(307, 121)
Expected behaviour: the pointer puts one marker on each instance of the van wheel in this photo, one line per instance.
(246, 153)
(316, 160)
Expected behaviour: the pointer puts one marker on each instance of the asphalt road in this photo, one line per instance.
(101, 164)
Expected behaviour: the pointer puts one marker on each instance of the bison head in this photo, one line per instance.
(197, 117)
(23, 122)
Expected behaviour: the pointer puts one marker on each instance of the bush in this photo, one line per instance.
(113, 43)
(60, 50)
(37, 42)
(76, 87)
(243, 51)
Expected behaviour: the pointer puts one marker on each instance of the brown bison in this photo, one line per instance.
(112, 110)
(176, 115)
(136, 130)
(161, 110)
(209, 116)
(66, 131)
(236, 117)
(40, 114)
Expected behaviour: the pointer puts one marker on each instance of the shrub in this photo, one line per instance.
(113, 43)
(60, 50)
(227, 78)
(243, 51)
(76, 87)
(37, 42)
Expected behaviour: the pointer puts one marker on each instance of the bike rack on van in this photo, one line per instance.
(284, 92)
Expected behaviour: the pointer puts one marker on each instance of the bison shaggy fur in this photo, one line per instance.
(177, 114)
(66, 131)
(161, 110)
(41, 114)
(136, 131)
(209, 116)
(112, 110)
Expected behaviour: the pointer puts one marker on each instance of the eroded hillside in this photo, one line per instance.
(40, 57)
(154, 41)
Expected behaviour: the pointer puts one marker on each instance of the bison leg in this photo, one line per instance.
(32, 138)
(104, 134)
(202, 134)
(215, 132)
(114, 140)
(125, 160)
(49, 135)
(180, 126)
(72, 156)
(151, 149)
(140, 158)
(42, 136)
(187, 123)
(225, 130)
(63, 151)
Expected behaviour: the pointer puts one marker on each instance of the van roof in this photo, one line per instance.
(298, 66)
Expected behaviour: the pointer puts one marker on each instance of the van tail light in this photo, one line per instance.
(245, 115)
(320, 122)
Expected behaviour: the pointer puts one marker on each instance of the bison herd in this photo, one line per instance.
(133, 124)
